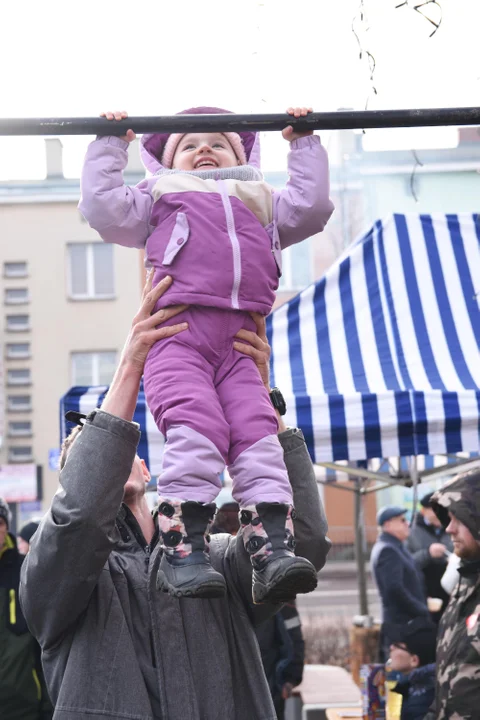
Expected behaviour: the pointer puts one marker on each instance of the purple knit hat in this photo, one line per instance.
(154, 143)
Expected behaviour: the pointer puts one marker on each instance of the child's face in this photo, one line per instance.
(203, 150)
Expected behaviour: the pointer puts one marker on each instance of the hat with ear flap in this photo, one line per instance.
(160, 147)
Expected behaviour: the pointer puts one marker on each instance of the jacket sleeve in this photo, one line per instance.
(120, 214)
(76, 536)
(303, 207)
(310, 524)
(389, 567)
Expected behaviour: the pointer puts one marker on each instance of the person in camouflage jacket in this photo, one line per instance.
(457, 693)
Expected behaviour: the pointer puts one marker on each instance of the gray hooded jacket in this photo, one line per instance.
(115, 647)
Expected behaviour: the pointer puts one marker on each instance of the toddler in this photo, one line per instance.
(208, 219)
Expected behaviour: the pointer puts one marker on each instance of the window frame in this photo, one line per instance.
(19, 382)
(8, 328)
(6, 274)
(21, 433)
(23, 301)
(95, 367)
(20, 356)
(90, 270)
(16, 408)
(12, 459)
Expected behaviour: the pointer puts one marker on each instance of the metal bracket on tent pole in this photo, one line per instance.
(230, 122)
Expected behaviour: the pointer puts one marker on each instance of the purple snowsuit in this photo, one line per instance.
(221, 241)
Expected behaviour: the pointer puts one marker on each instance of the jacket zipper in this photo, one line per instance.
(237, 259)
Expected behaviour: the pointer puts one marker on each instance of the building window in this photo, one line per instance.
(18, 323)
(19, 403)
(297, 267)
(18, 377)
(93, 368)
(15, 269)
(18, 428)
(90, 271)
(18, 351)
(16, 296)
(21, 454)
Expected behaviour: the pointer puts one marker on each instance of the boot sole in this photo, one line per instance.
(208, 591)
(294, 581)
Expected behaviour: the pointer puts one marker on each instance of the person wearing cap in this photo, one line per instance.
(430, 546)
(457, 692)
(412, 653)
(112, 645)
(207, 218)
(24, 537)
(23, 695)
(399, 582)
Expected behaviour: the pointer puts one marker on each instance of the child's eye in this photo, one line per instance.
(189, 147)
(218, 145)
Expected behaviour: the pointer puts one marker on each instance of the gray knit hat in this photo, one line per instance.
(5, 512)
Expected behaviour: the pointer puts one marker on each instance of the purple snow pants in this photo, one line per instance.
(210, 404)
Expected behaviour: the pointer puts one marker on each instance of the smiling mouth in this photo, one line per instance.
(205, 163)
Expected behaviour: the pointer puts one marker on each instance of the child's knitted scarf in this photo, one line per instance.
(239, 172)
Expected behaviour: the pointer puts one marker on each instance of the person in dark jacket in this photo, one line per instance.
(399, 582)
(283, 653)
(430, 545)
(412, 653)
(23, 694)
(457, 692)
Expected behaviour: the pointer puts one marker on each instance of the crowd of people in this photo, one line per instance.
(429, 635)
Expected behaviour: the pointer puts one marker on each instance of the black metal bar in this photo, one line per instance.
(339, 120)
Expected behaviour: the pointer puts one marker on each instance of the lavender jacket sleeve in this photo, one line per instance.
(303, 207)
(120, 214)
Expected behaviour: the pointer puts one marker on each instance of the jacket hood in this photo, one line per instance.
(461, 497)
(153, 144)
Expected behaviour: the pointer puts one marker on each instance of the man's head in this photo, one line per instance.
(138, 479)
(5, 519)
(428, 512)
(413, 645)
(391, 519)
(457, 505)
(25, 535)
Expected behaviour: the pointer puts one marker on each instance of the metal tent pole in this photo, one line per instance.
(338, 120)
(360, 548)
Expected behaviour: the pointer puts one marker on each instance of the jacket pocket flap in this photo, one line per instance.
(178, 238)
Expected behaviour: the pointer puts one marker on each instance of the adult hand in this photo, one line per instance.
(287, 690)
(437, 550)
(147, 328)
(257, 347)
(289, 133)
(120, 115)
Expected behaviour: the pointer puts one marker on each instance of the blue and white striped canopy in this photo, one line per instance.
(380, 357)
(85, 399)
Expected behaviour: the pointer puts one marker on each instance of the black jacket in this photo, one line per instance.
(282, 648)
(22, 689)
(399, 582)
(421, 537)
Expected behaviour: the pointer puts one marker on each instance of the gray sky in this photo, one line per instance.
(75, 59)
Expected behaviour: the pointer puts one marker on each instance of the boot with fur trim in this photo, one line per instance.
(185, 569)
(278, 574)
